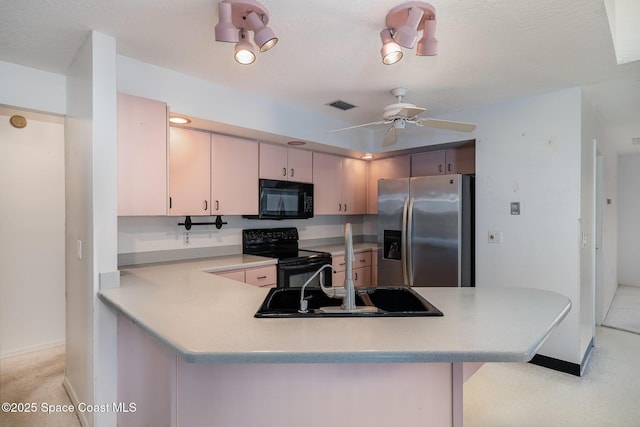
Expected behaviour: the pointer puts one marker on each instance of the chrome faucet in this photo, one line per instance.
(347, 292)
(349, 300)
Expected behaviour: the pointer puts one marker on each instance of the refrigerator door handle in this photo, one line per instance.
(403, 242)
(409, 238)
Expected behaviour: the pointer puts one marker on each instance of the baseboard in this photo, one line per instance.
(562, 365)
(556, 364)
(82, 417)
(30, 349)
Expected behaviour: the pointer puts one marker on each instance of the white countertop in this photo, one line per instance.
(209, 319)
(335, 250)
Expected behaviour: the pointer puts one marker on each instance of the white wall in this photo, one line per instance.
(32, 278)
(589, 136)
(91, 203)
(206, 100)
(32, 89)
(149, 234)
(629, 219)
(530, 151)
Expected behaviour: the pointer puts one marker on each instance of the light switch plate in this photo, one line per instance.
(515, 208)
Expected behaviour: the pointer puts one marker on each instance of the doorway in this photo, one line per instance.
(32, 234)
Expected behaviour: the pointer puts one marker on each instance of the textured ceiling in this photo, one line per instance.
(489, 51)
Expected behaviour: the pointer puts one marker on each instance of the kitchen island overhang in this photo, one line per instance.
(200, 328)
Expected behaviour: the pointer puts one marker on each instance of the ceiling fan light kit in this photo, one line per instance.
(236, 18)
(403, 24)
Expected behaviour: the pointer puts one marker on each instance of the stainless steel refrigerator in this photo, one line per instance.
(425, 231)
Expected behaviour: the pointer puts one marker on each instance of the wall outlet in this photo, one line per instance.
(495, 237)
(186, 237)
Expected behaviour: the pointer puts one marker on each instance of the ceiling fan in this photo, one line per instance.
(400, 113)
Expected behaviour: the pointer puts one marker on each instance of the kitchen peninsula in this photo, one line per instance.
(191, 353)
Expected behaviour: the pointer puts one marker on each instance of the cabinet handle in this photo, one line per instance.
(262, 277)
(356, 274)
(449, 167)
(292, 173)
(339, 207)
(284, 171)
(345, 207)
(217, 205)
(440, 168)
(363, 260)
(206, 205)
(170, 202)
(342, 263)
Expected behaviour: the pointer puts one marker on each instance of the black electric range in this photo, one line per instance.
(295, 266)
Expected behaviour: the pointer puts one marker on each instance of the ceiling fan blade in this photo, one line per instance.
(359, 126)
(410, 112)
(447, 124)
(391, 137)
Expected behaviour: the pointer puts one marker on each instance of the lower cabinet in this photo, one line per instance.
(362, 276)
(257, 276)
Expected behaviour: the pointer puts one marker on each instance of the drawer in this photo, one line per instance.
(363, 259)
(261, 276)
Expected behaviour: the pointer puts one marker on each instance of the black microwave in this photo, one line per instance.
(284, 200)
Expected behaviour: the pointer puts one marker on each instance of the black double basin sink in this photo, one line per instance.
(371, 302)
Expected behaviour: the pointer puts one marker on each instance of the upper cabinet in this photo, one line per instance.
(234, 176)
(339, 185)
(142, 156)
(211, 174)
(394, 167)
(189, 172)
(284, 163)
(442, 162)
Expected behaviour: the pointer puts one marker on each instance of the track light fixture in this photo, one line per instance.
(236, 19)
(244, 51)
(403, 24)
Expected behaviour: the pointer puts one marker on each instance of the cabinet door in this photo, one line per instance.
(461, 160)
(142, 156)
(273, 162)
(428, 163)
(234, 176)
(327, 180)
(300, 165)
(362, 277)
(395, 167)
(354, 186)
(189, 166)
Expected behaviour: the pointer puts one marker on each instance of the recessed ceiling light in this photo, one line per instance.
(367, 156)
(179, 120)
(296, 143)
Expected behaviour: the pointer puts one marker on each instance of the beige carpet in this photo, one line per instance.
(624, 312)
(35, 378)
(527, 395)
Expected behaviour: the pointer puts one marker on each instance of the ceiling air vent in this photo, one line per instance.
(344, 106)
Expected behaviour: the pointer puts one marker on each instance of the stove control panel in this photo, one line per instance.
(270, 235)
